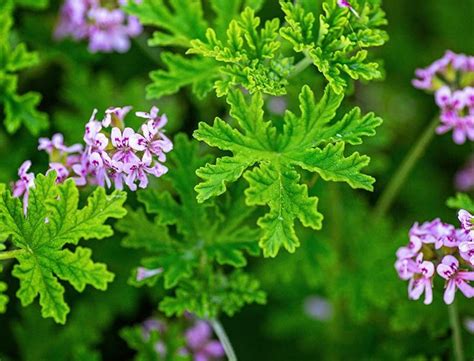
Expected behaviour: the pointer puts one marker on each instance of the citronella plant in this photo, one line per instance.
(240, 213)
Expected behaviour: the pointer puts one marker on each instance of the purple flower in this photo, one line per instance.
(435, 232)
(121, 142)
(444, 77)
(343, 3)
(61, 171)
(139, 170)
(422, 281)
(469, 324)
(411, 250)
(464, 179)
(200, 343)
(144, 273)
(56, 143)
(466, 220)
(107, 29)
(466, 250)
(318, 308)
(115, 116)
(24, 184)
(449, 270)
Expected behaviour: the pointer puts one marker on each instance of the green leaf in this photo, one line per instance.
(179, 22)
(200, 73)
(338, 48)
(221, 293)
(3, 297)
(249, 56)
(461, 201)
(53, 221)
(19, 109)
(308, 141)
(200, 233)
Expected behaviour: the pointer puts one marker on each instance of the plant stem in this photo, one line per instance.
(10, 254)
(416, 152)
(301, 65)
(221, 334)
(456, 330)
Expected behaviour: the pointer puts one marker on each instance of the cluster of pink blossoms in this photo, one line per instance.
(451, 78)
(112, 155)
(438, 248)
(199, 342)
(107, 28)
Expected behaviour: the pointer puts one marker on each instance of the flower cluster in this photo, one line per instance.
(107, 29)
(451, 78)
(112, 154)
(438, 248)
(199, 342)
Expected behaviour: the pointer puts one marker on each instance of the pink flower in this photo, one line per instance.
(464, 179)
(57, 143)
(144, 273)
(466, 250)
(422, 281)
(200, 343)
(139, 170)
(414, 246)
(466, 221)
(435, 232)
(115, 116)
(121, 142)
(24, 184)
(61, 171)
(107, 28)
(449, 270)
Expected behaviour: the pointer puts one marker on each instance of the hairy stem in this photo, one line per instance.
(416, 152)
(221, 334)
(301, 65)
(456, 330)
(10, 254)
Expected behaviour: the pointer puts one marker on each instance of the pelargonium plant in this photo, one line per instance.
(237, 218)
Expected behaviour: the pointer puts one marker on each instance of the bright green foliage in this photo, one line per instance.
(219, 293)
(179, 23)
(461, 201)
(338, 47)
(34, 4)
(251, 56)
(309, 141)
(146, 345)
(3, 297)
(52, 222)
(205, 233)
(18, 109)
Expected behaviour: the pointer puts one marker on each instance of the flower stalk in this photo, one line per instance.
(391, 191)
(456, 332)
(224, 339)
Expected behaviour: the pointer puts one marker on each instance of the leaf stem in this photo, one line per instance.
(456, 330)
(301, 65)
(224, 339)
(10, 254)
(416, 152)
